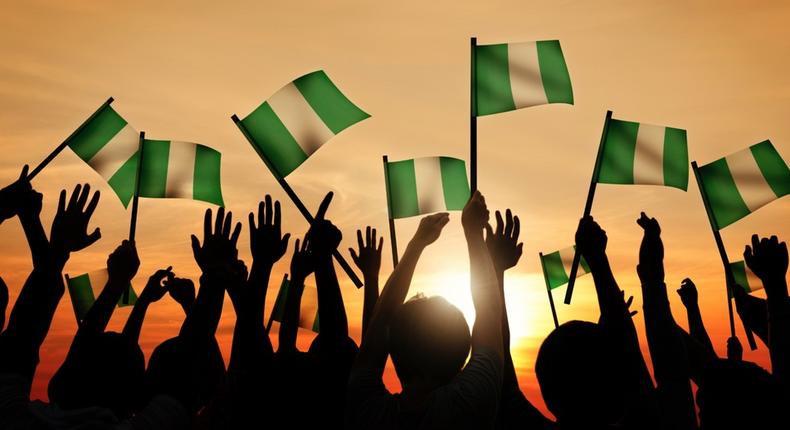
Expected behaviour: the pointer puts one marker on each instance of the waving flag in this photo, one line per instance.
(425, 185)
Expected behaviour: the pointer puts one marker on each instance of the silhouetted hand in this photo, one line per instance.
(688, 293)
(323, 236)
(182, 290)
(767, 258)
(475, 215)
(156, 287)
(70, 227)
(628, 304)
(11, 196)
(123, 263)
(503, 242)
(244, 297)
(267, 243)
(369, 258)
(218, 250)
(302, 262)
(734, 349)
(430, 228)
(590, 239)
(651, 252)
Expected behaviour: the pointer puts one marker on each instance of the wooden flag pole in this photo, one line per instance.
(65, 143)
(588, 206)
(393, 237)
(548, 290)
(135, 203)
(271, 315)
(473, 121)
(730, 279)
(296, 200)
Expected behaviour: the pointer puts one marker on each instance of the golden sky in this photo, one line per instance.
(178, 70)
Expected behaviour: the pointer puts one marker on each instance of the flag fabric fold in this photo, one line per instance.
(85, 288)
(298, 119)
(424, 185)
(557, 267)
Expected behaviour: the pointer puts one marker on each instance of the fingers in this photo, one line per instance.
(268, 212)
(236, 232)
(381, 244)
(296, 247)
(500, 225)
(755, 242)
(195, 246)
(261, 213)
(93, 237)
(62, 201)
(354, 256)
(92, 204)
(83, 197)
(367, 236)
(226, 225)
(508, 223)
(74, 196)
(206, 224)
(277, 217)
(324, 206)
(359, 240)
(489, 231)
(516, 228)
(218, 222)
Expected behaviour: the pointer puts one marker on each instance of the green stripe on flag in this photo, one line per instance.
(337, 111)
(492, 80)
(454, 183)
(96, 133)
(554, 72)
(132, 298)
(81, 295)
(403, 189)
(617, 158)
(722, 194)
(773, 168)
(123, 181)
(153, 175)
(274, 140)
(555, 270)
(207, 179)
(278, 311)
(316, 324)
(676, 158)
(739, 273)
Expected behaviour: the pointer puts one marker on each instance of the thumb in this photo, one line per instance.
(93, 237)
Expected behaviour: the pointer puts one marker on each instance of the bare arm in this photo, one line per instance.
(369, 262)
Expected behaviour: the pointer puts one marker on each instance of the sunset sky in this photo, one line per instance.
(179, 70)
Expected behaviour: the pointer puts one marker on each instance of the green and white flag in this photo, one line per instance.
(512, 76)
(85, 288)
(744, 277)
(635, 153)
(557, 267)
(180, 170)
(308, 312)
(425, 185)
(298, 119)
(109, 145)
(743, 182)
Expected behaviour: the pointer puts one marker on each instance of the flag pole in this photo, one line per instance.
(730, 279)
(393, 237)
(65, 143)
(473, 120)
(296, 200)
(548, 290)
(135, 202)
(271, 314)
(588, 206)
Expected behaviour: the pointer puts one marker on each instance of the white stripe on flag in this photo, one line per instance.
(566, 255)
(649, 155)
(749, 180)
(117, 151)
(526, 83)
(180, 170)
(98, 280)
(430, 192)
(304, 124)
(754, 282)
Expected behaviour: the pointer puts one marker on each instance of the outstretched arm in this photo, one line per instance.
(301, 268)
(369, 262)
(122, 265)
(688, 295)
(154, 290)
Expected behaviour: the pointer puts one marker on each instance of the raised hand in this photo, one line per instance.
(767, 258)
(734, 349)
(628, 304)
(267, 243)
(651, 252)
(324, 237)
(430, 228)
(182, 290)
(590, 239)
(70, 227)
(156, 287)
(503, 242)
(475, 215)
(218, 251)
(302, 262)
(123, 263)
(12, 195)
(369, 257)
(688, 293)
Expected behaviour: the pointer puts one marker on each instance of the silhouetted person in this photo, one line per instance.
(429, 340)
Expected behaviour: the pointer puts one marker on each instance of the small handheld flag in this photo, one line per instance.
(84, 289)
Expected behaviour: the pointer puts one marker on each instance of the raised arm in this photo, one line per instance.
(369, 262)
(373, 351)
(301, 268)
(670, 363)
(182, 290)
(154, 291)
(753, 312)
(688, 295)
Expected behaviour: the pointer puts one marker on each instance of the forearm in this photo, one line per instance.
(134, 324)
(371, 295)
(290, 324)
(697, 327)
(334, 323)
(99, 314)
(203, 318)
(779, 329)
(610, 299)
(486, 296)
(260, 274)
(510, 381)
(38, 243)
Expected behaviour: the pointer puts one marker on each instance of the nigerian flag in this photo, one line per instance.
(109, 145)
(308, 313)
(85, 288)
(557, 267)
(180, 170)
(425, 185)
(744, 277)
(741, 183)
(635, 153)
(511, 76)
(297, 120)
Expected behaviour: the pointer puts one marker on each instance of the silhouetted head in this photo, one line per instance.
(739, 394)
(100, 370)
(192, 375)
(428, 340)
(581, 376)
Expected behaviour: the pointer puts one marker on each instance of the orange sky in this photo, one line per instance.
(179, 70)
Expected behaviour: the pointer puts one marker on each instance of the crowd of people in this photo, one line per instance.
(592, 375)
